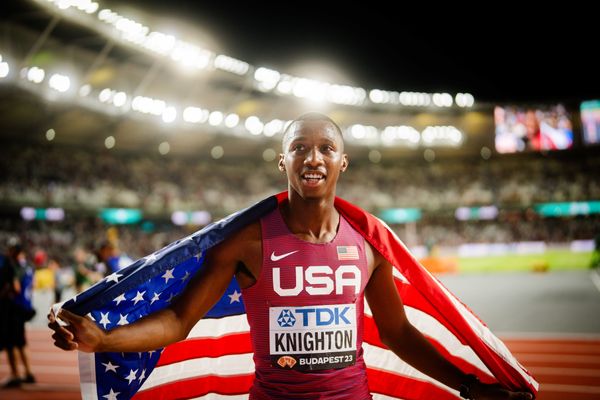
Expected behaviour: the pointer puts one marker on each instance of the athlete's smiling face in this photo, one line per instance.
(313, 157)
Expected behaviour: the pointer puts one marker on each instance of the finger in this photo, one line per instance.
(69, 316)
(65, 345)
(61, 331)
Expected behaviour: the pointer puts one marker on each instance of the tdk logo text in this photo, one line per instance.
(318, 316)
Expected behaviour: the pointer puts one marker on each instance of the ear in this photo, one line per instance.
(345, 162)
(281, 162)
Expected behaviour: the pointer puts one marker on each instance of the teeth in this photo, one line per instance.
(312, 176)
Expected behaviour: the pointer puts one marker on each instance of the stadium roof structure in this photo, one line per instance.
(92, 69)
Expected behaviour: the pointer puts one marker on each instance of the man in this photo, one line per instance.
(291, 259)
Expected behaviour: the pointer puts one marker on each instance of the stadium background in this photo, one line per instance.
(138, 124)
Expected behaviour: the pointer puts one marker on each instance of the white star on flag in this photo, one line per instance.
(123, 319)
(104, 321)
(120, 298)
(110, 367)
(186, 276)
(138, 297)
(132, 376)
(155, 297)
(142, 375)
(114, 277)
(235, 297)
(111, 395)
(168, 275)
(151, 258)
(170, 298)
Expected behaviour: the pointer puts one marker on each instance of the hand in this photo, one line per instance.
(482, 391)
(81, 333)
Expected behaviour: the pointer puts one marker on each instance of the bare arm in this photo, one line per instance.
(397, 333)
(163, 327)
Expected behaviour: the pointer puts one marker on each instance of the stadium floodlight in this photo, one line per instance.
(189, 55)
(464, 100)
(160, 43)
(105, 95)
(169, 114)
(358, 131)
(4, 68)
(378, 96)
(403, 134)
(442, 136)
(119, 99)
(254, 125)
(35, 74)
(285, 85)
(196, 115)
(273, 127)
(267, 78)
(231, 64)
(442, 99)
(232, 120)
(344, 94)
(215, 118)
(310, 89)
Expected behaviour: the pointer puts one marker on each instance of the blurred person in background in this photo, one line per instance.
(16, 285)
(112, 259)
(85, 268)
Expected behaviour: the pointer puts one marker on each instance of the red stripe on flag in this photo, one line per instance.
(371, 336)
(200, 386)
(395, 385)
(238, 343)
(413, 298)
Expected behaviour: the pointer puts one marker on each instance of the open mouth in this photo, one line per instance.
(313, 178)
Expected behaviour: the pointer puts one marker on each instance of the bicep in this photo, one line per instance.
(207, 286)
(385, 302)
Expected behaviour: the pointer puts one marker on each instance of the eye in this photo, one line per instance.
(298, 147)
(327, 148)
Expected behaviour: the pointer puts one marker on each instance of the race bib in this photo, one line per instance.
(313, 337)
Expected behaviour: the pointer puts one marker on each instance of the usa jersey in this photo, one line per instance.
(305, 313)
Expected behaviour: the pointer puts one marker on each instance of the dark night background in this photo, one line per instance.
(496, 51)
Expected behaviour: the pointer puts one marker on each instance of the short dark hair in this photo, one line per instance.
(312, 116)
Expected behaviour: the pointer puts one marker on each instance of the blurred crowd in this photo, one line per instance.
(82, 248)
(76, 178)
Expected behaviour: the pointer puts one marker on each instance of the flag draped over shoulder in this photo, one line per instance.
(215, 360)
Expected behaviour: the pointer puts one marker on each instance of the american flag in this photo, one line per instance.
(215, 361)
(347, 252)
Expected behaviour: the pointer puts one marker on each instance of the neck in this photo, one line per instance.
(313, 220)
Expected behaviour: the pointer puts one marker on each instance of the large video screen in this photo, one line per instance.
(534, 129)
(590, 121)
